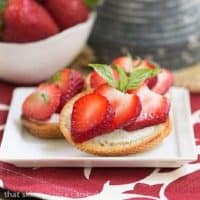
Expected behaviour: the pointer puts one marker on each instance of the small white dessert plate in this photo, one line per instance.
(24, 150)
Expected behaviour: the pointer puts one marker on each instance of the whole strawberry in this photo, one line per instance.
(67, 13)
(26, 21)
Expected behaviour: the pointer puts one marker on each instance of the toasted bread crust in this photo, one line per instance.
(112, 150)
(42, 129)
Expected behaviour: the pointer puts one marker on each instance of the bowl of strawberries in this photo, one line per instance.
(40, 37)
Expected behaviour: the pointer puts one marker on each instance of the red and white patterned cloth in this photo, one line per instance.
(103, 183)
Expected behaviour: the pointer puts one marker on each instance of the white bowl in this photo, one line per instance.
(36, 61)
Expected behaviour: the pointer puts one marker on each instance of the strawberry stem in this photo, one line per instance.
(93, 3)
(139, 62)
(3, 4)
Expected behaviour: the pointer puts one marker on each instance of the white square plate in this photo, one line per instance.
(22, 149)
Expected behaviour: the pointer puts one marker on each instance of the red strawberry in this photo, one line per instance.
(91, 116)
(61, 79)
(150, 82)
(42, 103)
(67, 13)
(128, 65)
(165, 81)
(148, 64)
(27, 21)
(95, 80)
(70, 82)
(153, 80)
(155, 109)
(125, 62)
(127, 106)
(40, 1)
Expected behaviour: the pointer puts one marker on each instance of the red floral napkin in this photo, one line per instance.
(103, 183)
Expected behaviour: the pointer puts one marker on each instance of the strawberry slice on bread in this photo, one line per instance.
(127, 106)
(94, 80)
(155, 109)
(70, 82)
(150, 82)
(88, 110)
(103, 121)
(164, 82)
(91, 116)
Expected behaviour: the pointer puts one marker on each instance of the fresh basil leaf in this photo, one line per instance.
(140, 75)
(106, 72)
(123, 79)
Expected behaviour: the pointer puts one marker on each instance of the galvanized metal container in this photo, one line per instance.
(167, 31)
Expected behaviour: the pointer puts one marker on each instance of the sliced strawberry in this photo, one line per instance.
(75, 85)
(125, 62)
(128, 65)
(155, 109)
(95, 80)
(147, 64)
(165, 81)
(42, 103)
(150, 82)
(71, 82)
(61, 79)
(127, 106)
(91, 116)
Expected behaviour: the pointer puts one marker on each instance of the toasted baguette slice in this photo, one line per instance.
(46, 130)
(117, 143)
